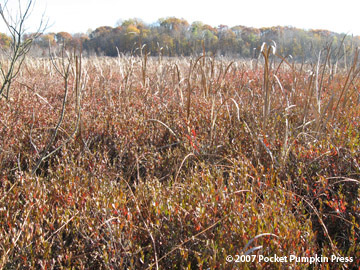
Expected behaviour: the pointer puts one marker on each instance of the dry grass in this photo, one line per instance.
(178, 163)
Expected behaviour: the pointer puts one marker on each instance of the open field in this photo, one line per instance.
(152, 163)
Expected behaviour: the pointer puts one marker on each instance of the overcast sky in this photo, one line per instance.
(75, 16)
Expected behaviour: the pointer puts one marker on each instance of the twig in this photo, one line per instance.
(189, 239)
(146, 225)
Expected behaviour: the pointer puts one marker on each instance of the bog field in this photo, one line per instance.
(139, 162)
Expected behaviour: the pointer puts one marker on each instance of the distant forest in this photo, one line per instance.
(176, 37)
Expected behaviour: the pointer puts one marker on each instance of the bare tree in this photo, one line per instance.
(19, 48)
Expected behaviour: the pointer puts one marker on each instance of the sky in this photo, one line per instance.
(75, 16)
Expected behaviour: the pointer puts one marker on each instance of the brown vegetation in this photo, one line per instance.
(177, 163)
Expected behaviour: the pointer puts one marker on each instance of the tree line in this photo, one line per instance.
(176, 37)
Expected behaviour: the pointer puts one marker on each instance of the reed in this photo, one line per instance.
(176, 163)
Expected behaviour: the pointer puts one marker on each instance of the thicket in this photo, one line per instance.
(177, 163)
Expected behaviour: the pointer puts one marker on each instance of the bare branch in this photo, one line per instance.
(20, 47)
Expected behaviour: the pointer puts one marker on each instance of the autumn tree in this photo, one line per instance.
(63, 38)
(101, 41)
(227, 40)
(133, 30)
(173, 37)
(5, 41)
(173, 31)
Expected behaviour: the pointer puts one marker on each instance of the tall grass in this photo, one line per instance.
(178, 166)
